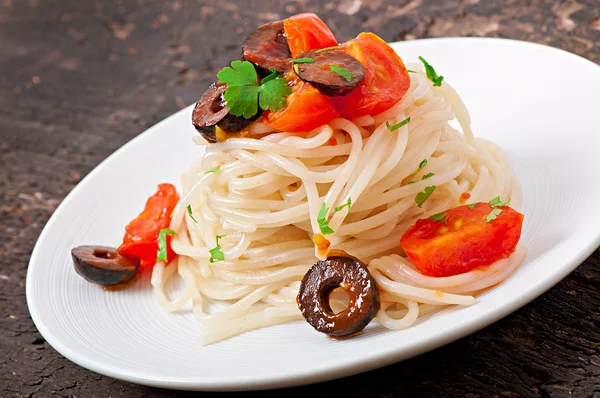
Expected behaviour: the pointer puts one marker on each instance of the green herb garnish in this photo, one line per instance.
(322, 220)
(397, 126)
(303, 61)
(423, 163)
(214, 169)
(428, 175)
(438, 217)
(431, 74)
(472, 205)
(497, 202)
(328, 49)
(244, 94)
(410, 71)
(216, 254)
(347, 204)
(338, 70)
(189, 209)
(422, 196)
(162, 244)
(411, 182)
(493, 214)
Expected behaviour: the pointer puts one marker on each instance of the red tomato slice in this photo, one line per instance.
(386, 78)
(307, 32)
(305, 110)
(141, 234)
(463, 240)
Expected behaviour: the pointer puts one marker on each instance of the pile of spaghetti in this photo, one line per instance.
(311, 154)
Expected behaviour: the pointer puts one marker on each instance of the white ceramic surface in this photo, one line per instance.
(538, 103)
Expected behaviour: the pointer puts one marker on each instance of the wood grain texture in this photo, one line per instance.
(78, 79)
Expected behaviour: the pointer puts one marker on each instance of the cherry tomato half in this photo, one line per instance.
(307, 32)
(463, 240)
(141, 234)
(386, 78)
(305, 110)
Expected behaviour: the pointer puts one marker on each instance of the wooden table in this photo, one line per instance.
(78, 79)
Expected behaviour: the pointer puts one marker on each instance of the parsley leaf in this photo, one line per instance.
(338, 70)
(493, 214)
(411, 182)
(428, 175)
(423, 163)
(348, 204)
(431, 74)
(422, 196)
(472, 205)
(216, 254)
(213, 170)
(497, 202)
(244, 94)
(328, 49)
(397, 126)
(162, 244)
(303, 61)
(410, 71)
(189, 209)
(438, 217)
(322, 220)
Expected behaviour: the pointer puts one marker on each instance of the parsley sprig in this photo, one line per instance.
(162, 244)
(244, 94)
(431, 74)
(216, 254)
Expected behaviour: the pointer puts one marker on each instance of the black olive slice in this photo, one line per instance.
(267, 47)
(103, 265)
(349, 273)
(324, 78)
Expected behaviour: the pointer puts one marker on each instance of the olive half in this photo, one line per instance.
(332, 72)
(349, 273)
(211, 112)
(103, 265)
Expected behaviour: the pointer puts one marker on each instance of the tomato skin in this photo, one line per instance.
(386, 78)
(463, 241)
(306, 109)
(141, 234)
(307, 32)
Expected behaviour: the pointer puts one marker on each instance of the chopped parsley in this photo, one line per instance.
(410, 71)
(439, 217)
(472, 205)
(493, 214)
(328, 49)
(244, 94)
(214, 169)
(347, 204)
(216, 254)
(303, 61)
(397, 126)
(431, 74)
(322, 220)
(411, 182)
(338, 70)
(423, 163)
(497, 202)
(162, 244)
(428, 175)
(422, 196)
(189, 209)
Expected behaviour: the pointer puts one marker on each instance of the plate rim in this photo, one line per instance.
(314, 375)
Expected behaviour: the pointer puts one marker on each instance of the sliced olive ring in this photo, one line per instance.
(103, 265)
(268, 48)
(349, 273)
(211, 112)
(322, 72)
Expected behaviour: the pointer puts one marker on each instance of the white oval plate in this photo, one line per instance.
(538, 103)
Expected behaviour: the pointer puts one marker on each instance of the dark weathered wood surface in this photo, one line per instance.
(80, 78)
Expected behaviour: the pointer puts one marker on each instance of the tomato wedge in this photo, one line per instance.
(141, 234)
(305, 110)
(386, 78)
(307, 32)
(463, 240)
